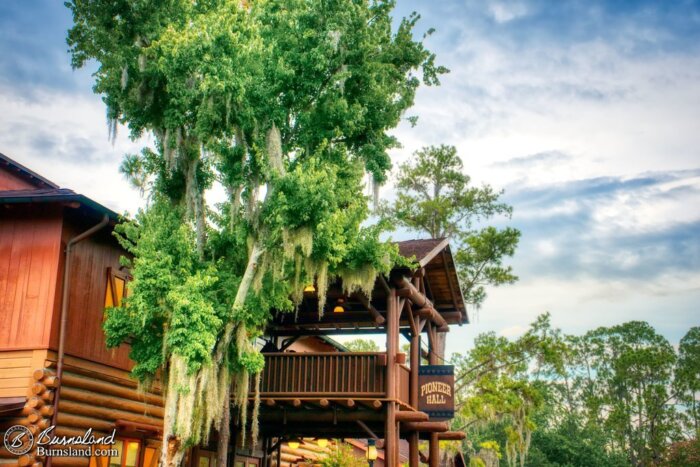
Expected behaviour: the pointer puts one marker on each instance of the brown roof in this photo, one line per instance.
(424, 250)
(25, 173)
(53, 195)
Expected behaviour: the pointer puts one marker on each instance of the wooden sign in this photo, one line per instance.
(436, 391)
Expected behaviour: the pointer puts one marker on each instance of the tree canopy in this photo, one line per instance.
(609, 397)
(287, 104)
(435, 197)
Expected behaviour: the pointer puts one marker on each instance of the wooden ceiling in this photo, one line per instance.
(434, 267)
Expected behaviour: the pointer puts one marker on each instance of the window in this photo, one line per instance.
(116, 288)
(206, 459)
(128, 453)
(150, 456)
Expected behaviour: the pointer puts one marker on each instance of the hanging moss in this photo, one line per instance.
(301, 238)
(322, 287)
(358, 280)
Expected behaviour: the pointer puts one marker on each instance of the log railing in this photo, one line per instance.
(324, 374)
(403, 375)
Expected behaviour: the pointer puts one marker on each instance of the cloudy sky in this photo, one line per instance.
(587, 114)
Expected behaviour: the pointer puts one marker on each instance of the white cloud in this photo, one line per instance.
(90, 168)
(503, 12)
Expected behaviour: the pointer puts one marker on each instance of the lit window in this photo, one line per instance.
(116, 288)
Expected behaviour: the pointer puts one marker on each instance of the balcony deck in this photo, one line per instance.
(330, 376)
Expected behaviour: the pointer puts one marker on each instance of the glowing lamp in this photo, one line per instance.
(322, 442)
(309, 289)
(338, 309)
(294, 442)
(371, 450)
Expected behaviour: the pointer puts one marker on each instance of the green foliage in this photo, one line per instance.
(687, 381)
(498, 382)
(362, 345)
(436, 197)
(288, 104)
(683, 454)
(572, 444)
(614, 396)
(633, 366)
(342, 455)
(171, 290)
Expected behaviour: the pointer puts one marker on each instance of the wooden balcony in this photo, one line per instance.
(330, 375)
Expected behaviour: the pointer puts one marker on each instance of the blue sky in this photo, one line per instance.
(587, 114)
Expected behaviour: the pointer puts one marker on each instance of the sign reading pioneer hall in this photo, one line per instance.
(436, 391)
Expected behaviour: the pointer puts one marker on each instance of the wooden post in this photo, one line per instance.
(433, 441)
(266, 457)
(413, 457)
(392, 342)
(279, 452)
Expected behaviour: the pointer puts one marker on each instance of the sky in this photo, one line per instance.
(586, 114)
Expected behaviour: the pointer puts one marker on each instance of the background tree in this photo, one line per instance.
(362, 345)
(633, 367)
(435, 197)
(288, 104)
(609, 397)
(687, 381)
(499, 388)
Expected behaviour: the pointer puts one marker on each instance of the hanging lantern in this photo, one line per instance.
(294, 442)
(322, 442)
(371, 450)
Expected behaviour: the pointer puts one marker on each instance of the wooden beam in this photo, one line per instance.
(455, 300)
(411, 416)
(378, 318)
(347, 403)
(372, 404)
(364, 426)
(413, 453)
(392, 342)
(426, 308)
(452, 436)
(430, 427)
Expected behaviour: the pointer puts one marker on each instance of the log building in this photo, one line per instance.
(60, 268)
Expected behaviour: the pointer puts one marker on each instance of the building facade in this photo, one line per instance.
(60, 268)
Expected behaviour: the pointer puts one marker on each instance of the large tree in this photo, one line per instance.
(499, 389)
(435, 197)
(687, 381)
(288, 104)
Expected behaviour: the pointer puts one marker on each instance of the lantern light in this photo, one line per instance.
(322, 442)
(371, 450)
(339, 308)
(294, 442)
(309, 289)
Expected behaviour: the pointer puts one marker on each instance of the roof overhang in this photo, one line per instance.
(56, 196)
(434, 268)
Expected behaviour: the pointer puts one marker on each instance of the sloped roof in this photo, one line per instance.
(54, 195)
(23, 172)
(424, 250)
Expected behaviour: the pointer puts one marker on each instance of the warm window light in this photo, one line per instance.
(294, 443)
(310, 288)
(322, 442)
(371, 450)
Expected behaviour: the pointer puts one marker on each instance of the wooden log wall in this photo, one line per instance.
(92, 396)
(39, 388)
